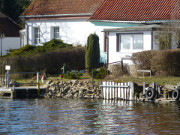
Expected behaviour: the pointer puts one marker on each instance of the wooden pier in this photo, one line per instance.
(21, 92)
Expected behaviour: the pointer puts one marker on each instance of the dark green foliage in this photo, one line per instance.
(14, 8)
(92, 55)
(53, 45)
(162, 63)
(24, 50)
(51, 57)
(70, 75)
(100, 73)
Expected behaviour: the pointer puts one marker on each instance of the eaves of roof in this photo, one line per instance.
(56, 15)
(136, 28)
(138, 22)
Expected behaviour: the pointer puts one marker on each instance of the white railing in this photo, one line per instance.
(117, 91)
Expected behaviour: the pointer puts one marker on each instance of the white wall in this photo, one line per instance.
(71, 31)
(76, 31)
(10, 43)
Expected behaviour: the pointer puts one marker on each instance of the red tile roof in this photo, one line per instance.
(58, 7)
(138, 10)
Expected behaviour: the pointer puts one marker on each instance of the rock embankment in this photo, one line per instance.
(73, 89)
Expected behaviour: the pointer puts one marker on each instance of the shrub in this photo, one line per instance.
(51, 61)
(70, 75)
(118, 70)
(53, 45)
(166, 63)
(143, 59)
(21, 51)
(99, 73)
(162, 63)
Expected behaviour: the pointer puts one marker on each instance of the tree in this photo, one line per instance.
(92, 55)
(168, 36)
(14, 8)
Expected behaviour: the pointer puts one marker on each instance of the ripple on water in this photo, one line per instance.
(87, 117)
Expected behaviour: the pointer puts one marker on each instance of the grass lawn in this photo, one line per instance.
(158, 80)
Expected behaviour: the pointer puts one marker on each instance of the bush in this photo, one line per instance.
(70, 75)
(53, 45)
(51, 61)
(99, 73)
(143, 59)
(21, 51)
(166, 63)
(117, 70)
(162, 63)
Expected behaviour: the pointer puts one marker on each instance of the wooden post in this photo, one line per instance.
(144, 88)
(38, 84)
(132, 95)
(159, 89)
(38, 89)
(92, 79)
(37, 77)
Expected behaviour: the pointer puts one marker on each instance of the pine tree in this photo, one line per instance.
(92, 56)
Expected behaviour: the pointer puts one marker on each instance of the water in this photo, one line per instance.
(57, 116)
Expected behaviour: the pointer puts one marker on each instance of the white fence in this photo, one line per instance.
(117, 91)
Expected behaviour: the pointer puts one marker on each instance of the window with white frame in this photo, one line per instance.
(129, 42)
(55, 32)
(36, 35)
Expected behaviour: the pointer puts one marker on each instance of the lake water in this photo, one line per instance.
(57, 116)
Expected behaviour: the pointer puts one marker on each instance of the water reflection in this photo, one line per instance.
(88, 117)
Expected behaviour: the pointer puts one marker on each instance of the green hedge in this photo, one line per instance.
(100, 73)
(70, 75)
(162, 63)
(52, 62)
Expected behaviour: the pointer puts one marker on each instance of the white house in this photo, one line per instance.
(9, 34)
(73, 20)
(66, 20)
(144, 18)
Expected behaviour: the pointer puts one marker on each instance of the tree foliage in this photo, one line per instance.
(92, 55)
(167, 36)
(13, 8)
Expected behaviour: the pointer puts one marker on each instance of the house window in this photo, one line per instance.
(56, 32)
(36, 35)
(128, 42)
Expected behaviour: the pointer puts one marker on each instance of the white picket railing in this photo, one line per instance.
(117, 91)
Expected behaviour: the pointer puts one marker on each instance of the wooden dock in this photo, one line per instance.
(21, 92)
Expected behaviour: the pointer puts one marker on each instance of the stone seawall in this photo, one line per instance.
(73, 89)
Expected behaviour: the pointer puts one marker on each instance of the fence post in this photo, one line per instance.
(37, 77)
(38, 85)
(7, 79)
(132, 95)
(144, 87)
